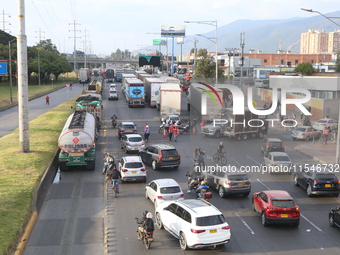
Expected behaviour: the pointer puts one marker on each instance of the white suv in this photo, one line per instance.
(132, 169)
(196, 223)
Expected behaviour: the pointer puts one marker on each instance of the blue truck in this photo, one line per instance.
(134, 92)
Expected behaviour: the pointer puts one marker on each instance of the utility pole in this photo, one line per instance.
(85, 40)
(39, 54)
(241, 62)
(22, 80)
(75, 42)
(4, 21)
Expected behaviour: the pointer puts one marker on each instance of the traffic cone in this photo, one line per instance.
(164, 133)
(193, 130)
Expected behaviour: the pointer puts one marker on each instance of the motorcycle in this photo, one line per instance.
(161, 127)
(205, 194)
(147, 236)
(184, 128)
(199, 161)
(194, 182)
(114, 123)
(109, 164)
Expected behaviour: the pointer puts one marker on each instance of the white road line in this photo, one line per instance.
(300, 213)
(248, 157)
(245, 224)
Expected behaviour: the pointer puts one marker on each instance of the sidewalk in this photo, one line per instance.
(323, 153)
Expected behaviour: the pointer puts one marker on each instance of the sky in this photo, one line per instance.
(104, 26)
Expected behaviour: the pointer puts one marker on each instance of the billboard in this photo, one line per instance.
(172, 30)
(3, 68)
(149, 61)
(157, 41)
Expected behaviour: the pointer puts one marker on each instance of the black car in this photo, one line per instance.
(334, 217)
(160, 156)
(272, 144)
(317, 181)
(126, 128)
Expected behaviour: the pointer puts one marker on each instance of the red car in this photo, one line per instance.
(276, 206)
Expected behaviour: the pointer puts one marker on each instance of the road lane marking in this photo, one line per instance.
(245, 224)
(263, 184)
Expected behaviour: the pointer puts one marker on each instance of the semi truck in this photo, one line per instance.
(237, 126)
(124, 77)
(152, 86)
(95, 86)
(134, 92)
(169, 99)
(204, 104)
(77, 141)
(91, 103)
(84, 75)
(119, 73)
(110, 75)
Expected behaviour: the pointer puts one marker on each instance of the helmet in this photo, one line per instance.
(203, 183)
(221, 143)
(145, 213)
(149, 215)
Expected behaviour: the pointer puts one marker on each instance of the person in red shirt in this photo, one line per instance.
(47, 98)
(171, 129)
(175, 133)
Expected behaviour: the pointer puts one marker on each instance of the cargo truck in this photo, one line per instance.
(169, 99)
(95, 86)
(91, 103)
(77, 141)
(84, 75)
(110, 75)
(124, 77)
(237, 126)
(204, 104)
(152, 86)
(119, 73)
(134, 92)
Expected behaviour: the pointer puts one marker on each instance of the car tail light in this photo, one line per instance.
(247, 182)
(143, 169)
(226, 227)
(134, 130)
(315, 181)
(121, 130)
(149, 233)
(182, 195)
(143, 143)
(159, 197)
(179, 156)
(303, 134)
(197, 231)
(124, 170)
(228, 183)
(160, 157)
(127, 144)
(282, 146)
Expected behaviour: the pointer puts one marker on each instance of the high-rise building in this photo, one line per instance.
(318, 41)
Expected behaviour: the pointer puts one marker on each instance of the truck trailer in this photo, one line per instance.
(169, 99)
(134, 92)
(152, 86)
(77, 141)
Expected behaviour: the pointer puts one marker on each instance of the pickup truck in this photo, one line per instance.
(228, 182)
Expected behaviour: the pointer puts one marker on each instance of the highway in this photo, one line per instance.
(81, 216)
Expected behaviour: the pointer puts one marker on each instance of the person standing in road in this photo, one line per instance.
(171, 129)
(175, 133)
(47, 99)
(146, 133)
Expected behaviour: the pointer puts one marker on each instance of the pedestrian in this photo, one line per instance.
(171, 128)
(47, 99)
(146, 133)
(175, 133)
(70, 86)
(145, 125)
(166, 126)
(325, 133)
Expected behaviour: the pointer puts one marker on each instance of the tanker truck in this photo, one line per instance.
(77, 141)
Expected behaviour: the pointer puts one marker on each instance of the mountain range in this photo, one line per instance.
(264, 35)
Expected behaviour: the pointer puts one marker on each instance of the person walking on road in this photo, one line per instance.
(146, 133)
(47, 99)
(175, 133)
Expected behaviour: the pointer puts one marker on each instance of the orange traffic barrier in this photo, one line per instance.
(164, 133)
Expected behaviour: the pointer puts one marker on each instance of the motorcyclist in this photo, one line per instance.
(114, 120)
(115, 176)
(202, 189)
(194, 178)
(198, 156)
(146, 222)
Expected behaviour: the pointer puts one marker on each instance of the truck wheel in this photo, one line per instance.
(244, 136)
(62, 166)
(260, 135)
(217, 134)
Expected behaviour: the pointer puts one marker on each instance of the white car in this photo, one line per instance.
(160, 190)
(132, 142)
(173, 118)
(113, 94)
(195, 222)
(113, 86)
(132, 169)
(277, 162)
(322, 123)
(305, 133)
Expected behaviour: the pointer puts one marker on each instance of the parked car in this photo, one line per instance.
(277, 162)
(195, 222)
(322, 123)
(161, 190)
(160, 156)
(317, 181)
(126, 128)
(132, 169)
(272, 144)
(173, 118)
(305, 133)
(334, 217)
(113, 95)
(228, 183)
(276, 206)
(132, 142)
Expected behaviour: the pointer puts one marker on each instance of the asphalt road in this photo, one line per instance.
(81, 216)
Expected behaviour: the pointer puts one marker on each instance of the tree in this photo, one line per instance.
(205, 66)
(305, 68)
(337, 62)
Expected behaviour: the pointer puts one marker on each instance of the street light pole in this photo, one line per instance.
(337, 161)
(211, 23)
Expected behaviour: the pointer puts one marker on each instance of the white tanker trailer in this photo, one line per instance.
(77, 141)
